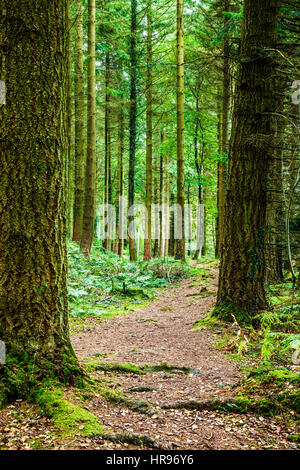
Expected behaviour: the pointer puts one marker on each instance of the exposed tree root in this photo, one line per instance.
(241, 404)
(137, 439)
(129, 368)
(118, 398)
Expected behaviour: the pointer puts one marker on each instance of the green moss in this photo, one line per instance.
(225, 312)
(290, 400)
(129, 368)
(22, 374)
(262, 406)
(207, 322)
(294, 438)
(123, 367)
(68, 418)
(118, 398)
(280, 376)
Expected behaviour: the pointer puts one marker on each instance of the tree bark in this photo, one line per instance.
(149, 143)
(91, 161)
(79, 128)
(33, 145)
(224, 126)
(132, 125)
(180, 244)
(70, 160)
(241, 283)
(120, 192)
(108, 188)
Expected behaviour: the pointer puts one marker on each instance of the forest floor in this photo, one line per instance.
(182, 363)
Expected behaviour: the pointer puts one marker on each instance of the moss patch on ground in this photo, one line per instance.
(68, 418)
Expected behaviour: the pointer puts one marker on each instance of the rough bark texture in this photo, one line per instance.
(241, 281)
(91, 161)
(79, 128)
(33, 265)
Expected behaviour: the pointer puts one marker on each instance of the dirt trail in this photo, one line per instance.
(163, 332)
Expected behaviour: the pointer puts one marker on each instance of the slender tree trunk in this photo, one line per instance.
(180, 244)
(79, 129)
(189, 219)
(161, 198)
(70, 161)
(274, 214)
(149, 143)
(167, 204)
(120, 193)
(108, 188)
(172, 227)
(224, 126)
(91, 162)
(242, 273)
(33, 145)
(156, 200)
(132, 125)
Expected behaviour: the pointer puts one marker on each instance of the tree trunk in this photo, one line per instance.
(161, 197)
(108, 188)
(70, 161)
(33, 145)
(180, 244)
(120, 192)
(172, 227)
(79, 128)
(132, 125)
(224, 125)
(241, 284)
(91, 162)
(149, 143)
(167, 204)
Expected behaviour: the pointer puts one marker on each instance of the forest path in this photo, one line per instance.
(163, 332)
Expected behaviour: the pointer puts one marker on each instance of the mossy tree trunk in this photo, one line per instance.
(79, 128)
(91, 161)
(33, 149)
(242, 272)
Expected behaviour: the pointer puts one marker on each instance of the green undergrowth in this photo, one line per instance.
(267, 349)
(105, 285)
(270, 390)
(269, 335)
